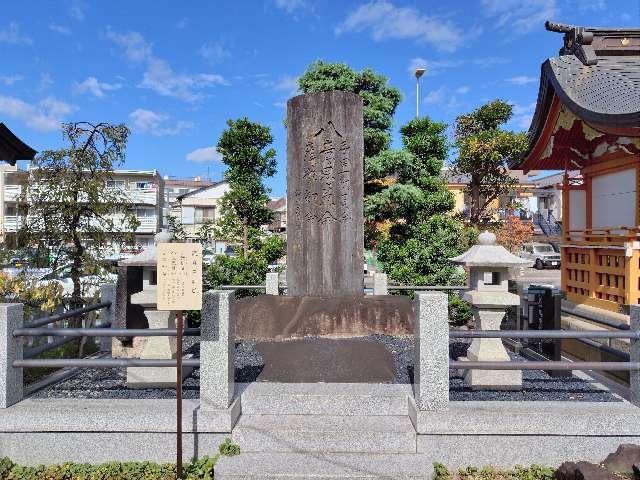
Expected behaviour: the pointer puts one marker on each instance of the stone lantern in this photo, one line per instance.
(488, 267)
(153, 347)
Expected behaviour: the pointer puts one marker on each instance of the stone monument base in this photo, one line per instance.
(154, 377)
(270, 317)
(492, 379)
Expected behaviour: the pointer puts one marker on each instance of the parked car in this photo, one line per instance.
(542, 254)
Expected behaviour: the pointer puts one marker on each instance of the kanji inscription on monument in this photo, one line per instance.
(325, 194)
(179, 276)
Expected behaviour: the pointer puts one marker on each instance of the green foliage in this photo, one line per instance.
(484, 149)
(534, 472)
(250, 269)
(380, 101)
(244, 149)
(198, 469)
(176, 228)
(68, 202)
(228, 448)
(440, 472)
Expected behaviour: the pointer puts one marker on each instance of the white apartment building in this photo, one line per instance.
(174, 187)
(143, 188)
(200, 206)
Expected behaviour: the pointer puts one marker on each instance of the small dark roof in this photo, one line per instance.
(596, 75)
(12, 148)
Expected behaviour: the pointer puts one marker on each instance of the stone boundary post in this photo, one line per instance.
(217, 345)
(380, 284)
(634, 353)
(272, 283)
(107, 315)
(431, 371)
(11, 387)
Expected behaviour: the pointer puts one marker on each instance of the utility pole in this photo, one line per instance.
(419, 72)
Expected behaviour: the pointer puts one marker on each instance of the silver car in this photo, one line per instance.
(541, 254)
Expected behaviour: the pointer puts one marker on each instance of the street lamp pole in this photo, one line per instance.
(419, 72)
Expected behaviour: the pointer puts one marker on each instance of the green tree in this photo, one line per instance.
(380, 101)
(483, 151)
(423, 234)
(244, 147)
(69, 207)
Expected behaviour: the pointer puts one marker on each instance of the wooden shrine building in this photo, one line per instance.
(587, 119)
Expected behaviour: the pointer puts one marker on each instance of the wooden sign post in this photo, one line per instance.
(179, 288)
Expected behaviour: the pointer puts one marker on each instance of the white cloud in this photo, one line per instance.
(156, 123)
(291, 6)
(436, 67)
(45, 116)
(463, 89)
(46, 80)
(436, 96)
(214, 51)
(12, 34)
(61, 29)
(522, 115)
(387, 21)
(10, 79)
(182, 23)
(204, 155)
(159, 76)
(288, 84)
(519, 16)
(93, 86)
(522, 80)
(77, 10)
(136, 48)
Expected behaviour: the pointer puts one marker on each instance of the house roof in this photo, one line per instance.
(12, 148)
(596, 76)
(201, 189)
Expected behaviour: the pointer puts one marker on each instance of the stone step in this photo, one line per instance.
(325, 433)
(302, 466)
(324, 398)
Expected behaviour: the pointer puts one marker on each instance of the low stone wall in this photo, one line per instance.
(270, 317)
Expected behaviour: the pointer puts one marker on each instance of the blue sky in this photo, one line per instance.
(176, 71)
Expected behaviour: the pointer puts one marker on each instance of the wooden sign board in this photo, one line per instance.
(179, 276)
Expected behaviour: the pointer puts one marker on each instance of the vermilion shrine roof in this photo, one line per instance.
(589, 99)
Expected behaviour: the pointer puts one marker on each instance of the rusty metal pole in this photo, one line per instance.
(179, 328)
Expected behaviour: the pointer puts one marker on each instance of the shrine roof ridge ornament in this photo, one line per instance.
(589, 43)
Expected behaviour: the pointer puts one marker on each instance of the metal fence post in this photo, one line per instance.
(108, 314)
(431, 371)
(380, 284)
(11, 387)
(272, 283)
(634, 353)
(217, 345)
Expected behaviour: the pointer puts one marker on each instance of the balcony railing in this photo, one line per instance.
(11, 223)
(11, 192)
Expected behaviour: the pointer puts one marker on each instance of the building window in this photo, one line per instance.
(115, 184)
(143, 185)
(204, 214)
(145, 212)
(10, 210)
(182, 191)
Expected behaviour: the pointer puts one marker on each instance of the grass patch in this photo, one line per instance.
(533, 472)
(197, 469)
(68, 350)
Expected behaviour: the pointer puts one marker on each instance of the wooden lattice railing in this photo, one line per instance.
(601, 267)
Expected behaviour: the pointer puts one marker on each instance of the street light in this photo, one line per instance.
(419, 72)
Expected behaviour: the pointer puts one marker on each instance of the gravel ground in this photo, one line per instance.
(537, 385)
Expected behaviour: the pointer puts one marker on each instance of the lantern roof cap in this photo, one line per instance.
(488, 254)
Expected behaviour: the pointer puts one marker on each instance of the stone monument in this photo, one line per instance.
(325, 149)
(488, 268)
(325, 239)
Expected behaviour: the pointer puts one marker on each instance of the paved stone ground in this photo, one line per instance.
(250, 366)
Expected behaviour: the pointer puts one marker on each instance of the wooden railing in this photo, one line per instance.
(601, 267)
(611, 236)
